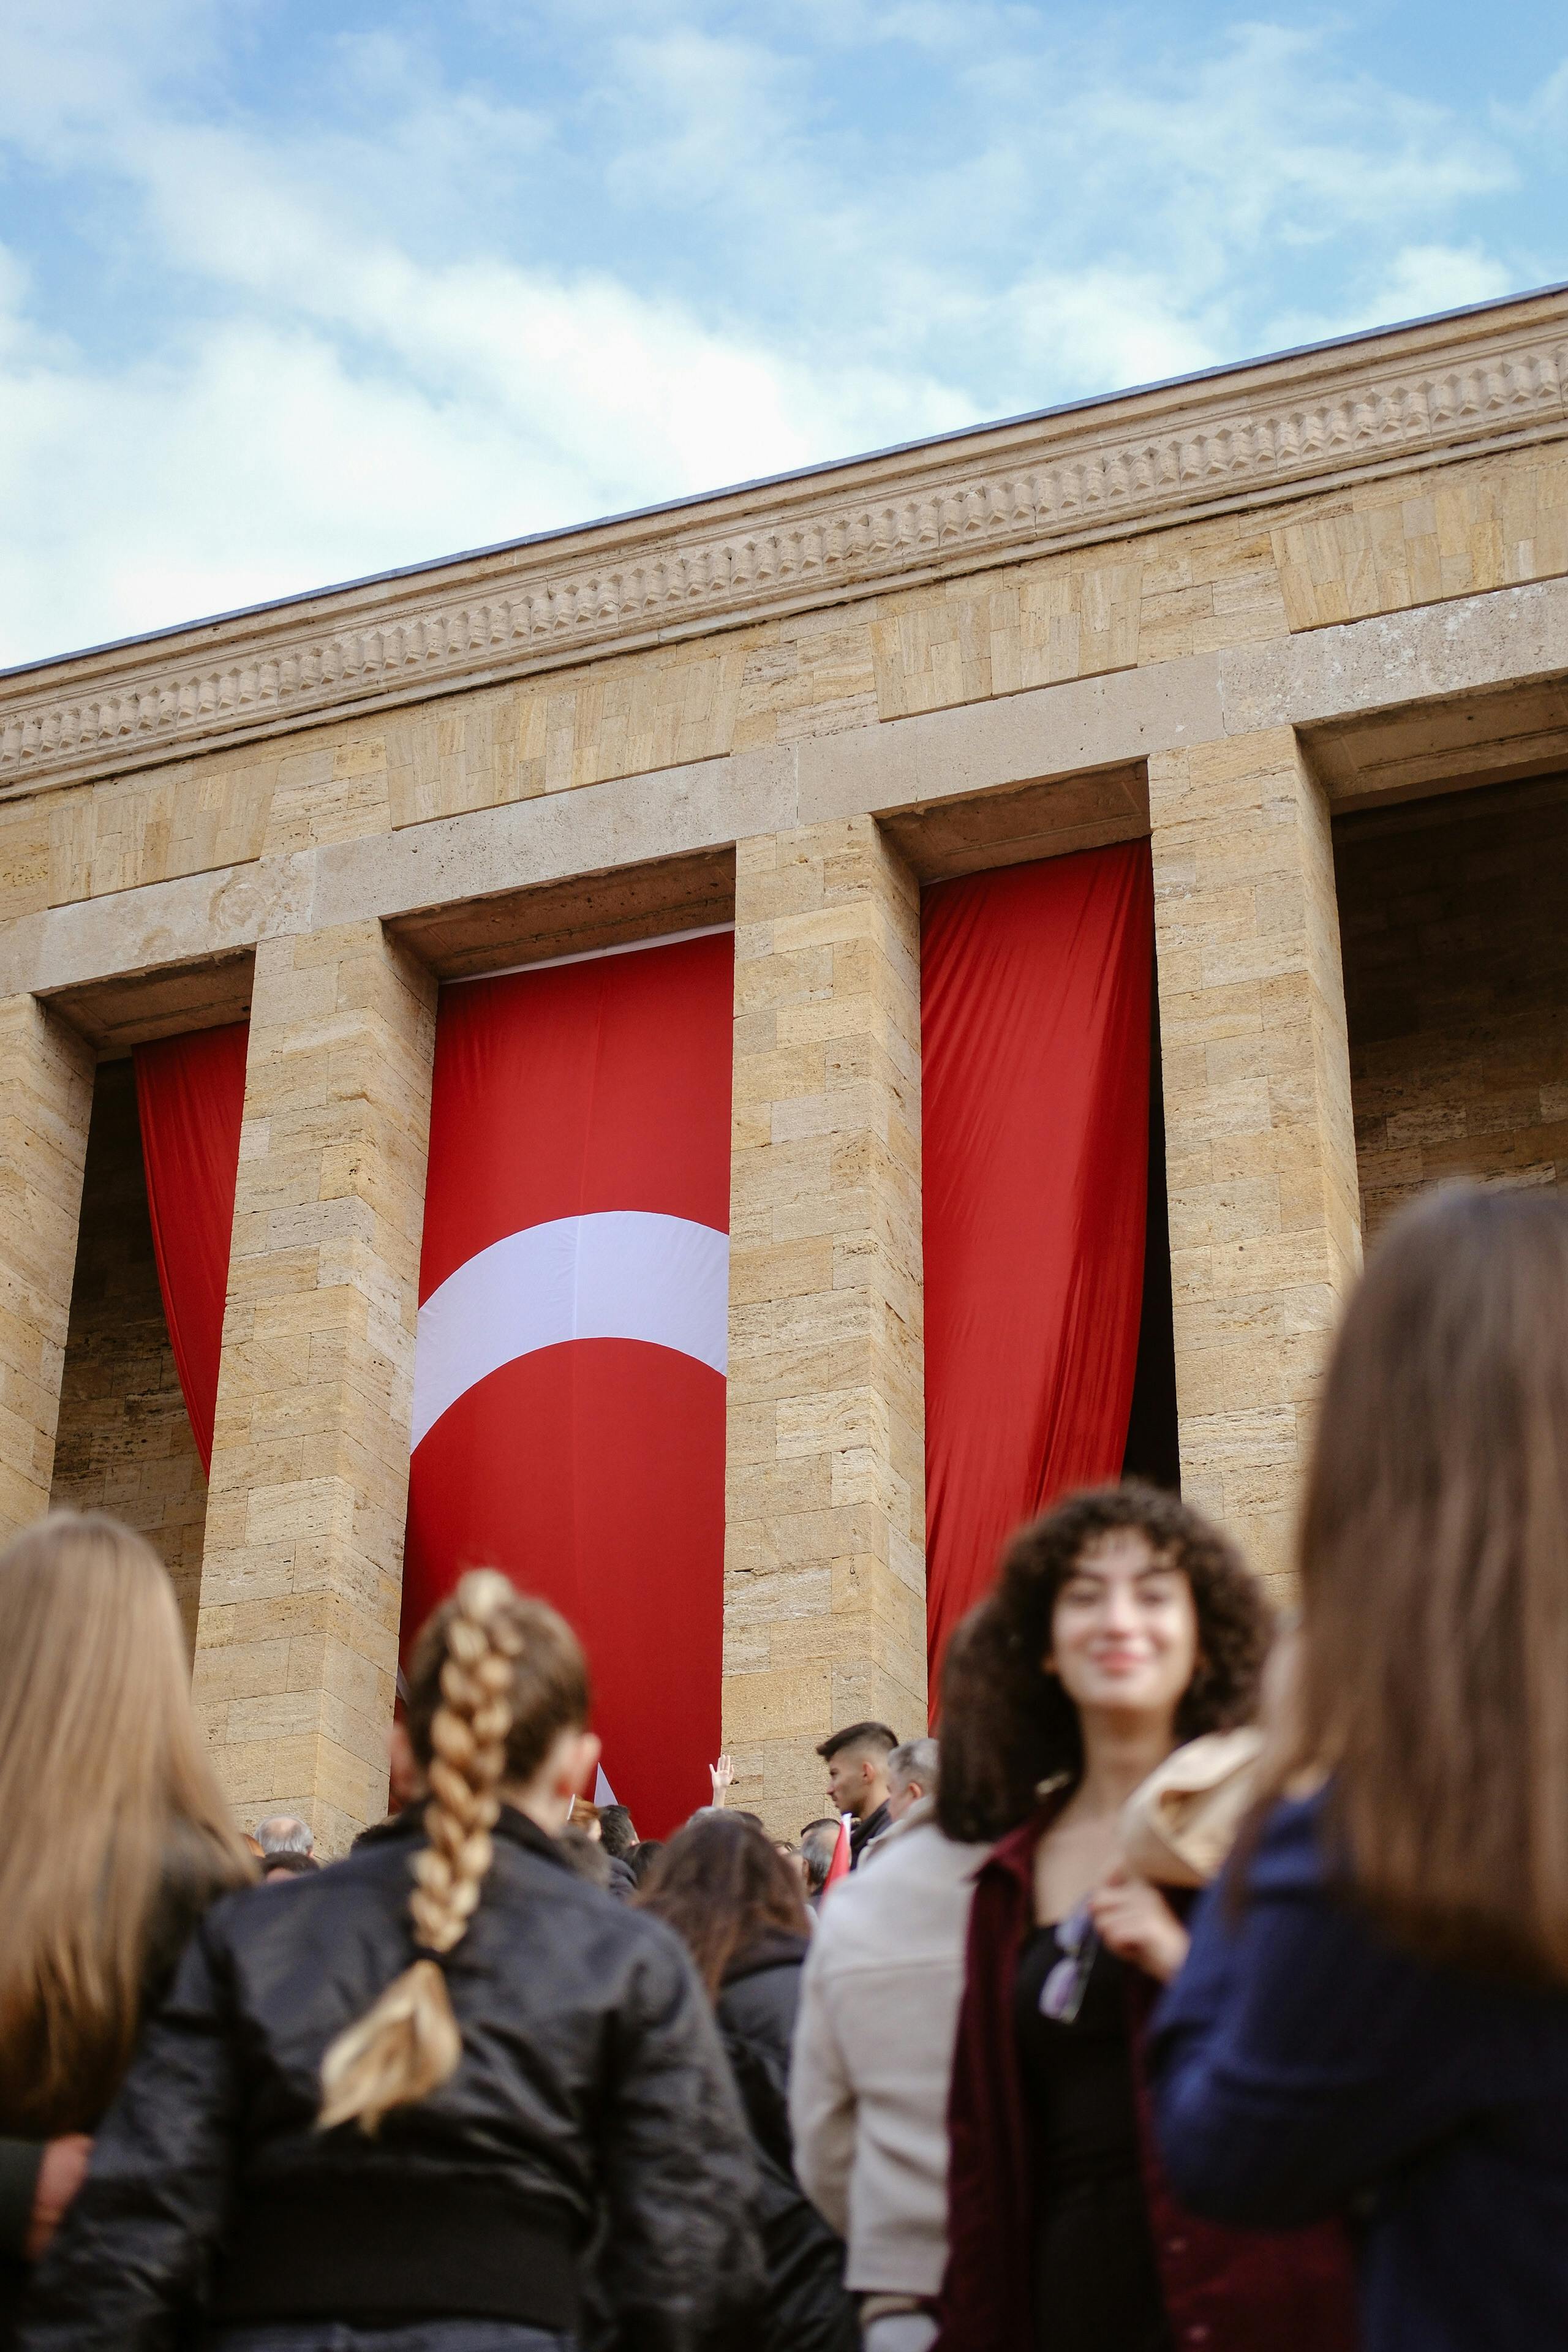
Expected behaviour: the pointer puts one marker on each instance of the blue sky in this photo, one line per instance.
(293, 291)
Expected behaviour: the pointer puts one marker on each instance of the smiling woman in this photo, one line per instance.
(1121, 1624)
(1012, 1722)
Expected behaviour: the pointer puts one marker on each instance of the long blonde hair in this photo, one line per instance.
(106, 1797)
(1432, 1675)
(495, 1677)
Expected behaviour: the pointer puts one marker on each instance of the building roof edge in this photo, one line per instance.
(693, 502)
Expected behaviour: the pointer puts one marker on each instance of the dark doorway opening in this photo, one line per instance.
(1154, 1445)
(1454, 932)
(125, 1442)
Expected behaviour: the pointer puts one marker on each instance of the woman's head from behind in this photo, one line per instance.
(1120, 1603)
(497, 1701)
(543, 1683)
(724, 1887)
(104, 1789)
(1432, 1680)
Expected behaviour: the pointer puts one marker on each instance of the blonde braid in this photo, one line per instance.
(408, 2044)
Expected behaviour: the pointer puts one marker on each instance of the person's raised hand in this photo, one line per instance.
(1133, 1920)
(722, 1775)
(61, 2175)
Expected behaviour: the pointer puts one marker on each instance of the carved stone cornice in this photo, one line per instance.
(1252, 435)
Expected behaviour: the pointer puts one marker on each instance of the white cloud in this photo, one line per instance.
(352, 407)
(1424, 278)
(372, 412)
(1102, 327)
(1542, 116)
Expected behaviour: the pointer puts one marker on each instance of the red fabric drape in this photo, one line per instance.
(592, 1469)
(1035, 1021)
(190, 1100)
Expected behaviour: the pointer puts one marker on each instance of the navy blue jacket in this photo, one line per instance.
(1305, 2062)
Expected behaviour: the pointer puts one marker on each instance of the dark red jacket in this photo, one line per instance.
(1226, 2290)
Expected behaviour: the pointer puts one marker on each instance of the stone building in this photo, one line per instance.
(1303, 624)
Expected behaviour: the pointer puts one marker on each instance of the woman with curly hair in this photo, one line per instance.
(1122, 1625)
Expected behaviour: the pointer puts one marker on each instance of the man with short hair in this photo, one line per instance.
(912, 1775)
(857, 1761)
(288, 1846)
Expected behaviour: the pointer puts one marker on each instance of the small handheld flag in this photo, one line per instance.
(839, 1866)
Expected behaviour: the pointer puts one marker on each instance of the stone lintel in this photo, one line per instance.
(1486, 645)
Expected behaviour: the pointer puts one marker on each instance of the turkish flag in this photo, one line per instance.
(1035, 988)
(573, 1288)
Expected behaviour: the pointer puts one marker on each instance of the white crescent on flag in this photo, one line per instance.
(622, 1274)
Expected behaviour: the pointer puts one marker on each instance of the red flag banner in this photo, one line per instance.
(1035, 987)
(569, 1376)
(190, 1104)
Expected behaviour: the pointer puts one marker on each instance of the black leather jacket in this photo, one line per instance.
(592, 2115)
(808, 2308)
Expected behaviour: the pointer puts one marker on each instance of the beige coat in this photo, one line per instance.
(873, 2053)
(1179, 1826)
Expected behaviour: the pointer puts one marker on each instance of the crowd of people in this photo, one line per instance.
(1197, 1986)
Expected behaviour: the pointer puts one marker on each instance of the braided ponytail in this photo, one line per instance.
(494, 1679)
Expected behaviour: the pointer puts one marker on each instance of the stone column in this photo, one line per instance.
(1260, 1149)
(825, 1573)
(297, 1637)
(45, 1102)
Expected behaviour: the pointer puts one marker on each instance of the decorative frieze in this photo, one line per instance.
(1100, 471)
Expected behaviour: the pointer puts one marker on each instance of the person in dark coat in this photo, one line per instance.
(1120, 1625)
(117, 1840)
(1376, 2008)
(642, 1857)
(736, 1901)
(617, 1834)
(443, 2093)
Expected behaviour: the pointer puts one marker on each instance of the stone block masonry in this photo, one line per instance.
(45, 1103)
(824, 1580)
(296, 1639)
(1259, 1141)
